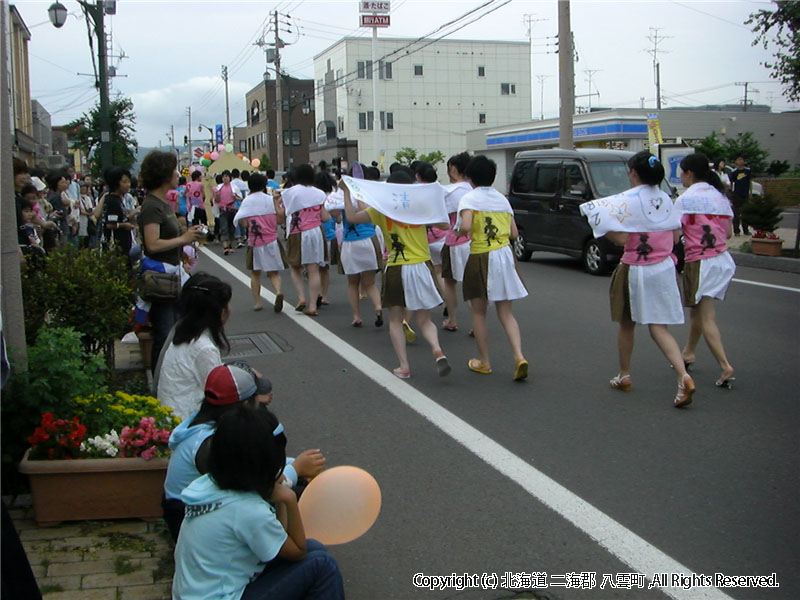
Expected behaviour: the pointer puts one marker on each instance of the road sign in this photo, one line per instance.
(375, 20)
(198, 152)
(369, 6)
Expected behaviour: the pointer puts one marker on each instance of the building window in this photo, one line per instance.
(319, 86)
(417, 70)
(341, 124)
(295, 141)
(242, 146)
(482, 118)
(481, 71)
(254, 113)
(387, 120)
(364, 68)
(508, 89)
(385, 69)
(264, 105)
(365, 120)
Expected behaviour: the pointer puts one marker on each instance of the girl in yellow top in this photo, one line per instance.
(408, 279)
(491, 273)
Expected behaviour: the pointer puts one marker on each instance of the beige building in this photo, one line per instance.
(260, 136)
(21, 115)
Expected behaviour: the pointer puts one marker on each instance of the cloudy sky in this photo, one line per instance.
(174, 52)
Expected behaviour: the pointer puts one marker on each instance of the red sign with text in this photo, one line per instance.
(375, 20)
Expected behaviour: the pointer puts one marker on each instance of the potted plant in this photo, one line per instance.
(100, 457)
(763, 214)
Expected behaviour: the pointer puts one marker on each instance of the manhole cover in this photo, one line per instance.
(256, 344)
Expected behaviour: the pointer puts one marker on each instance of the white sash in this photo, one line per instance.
(703, 199)
(420, 204)
(644, 208)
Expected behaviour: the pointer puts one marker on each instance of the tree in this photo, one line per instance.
(746, 146)
(405, 156)
(778, 167)
(265, 164)
(85, 131)
(786, 20)
(711, 146)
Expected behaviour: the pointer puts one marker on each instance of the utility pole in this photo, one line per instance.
(376, 116)
(529, 21)
(228, 136)
(541, 79)
(745, 84)
(189, 136)
(278, 94)
(589, 74)
(566, 77)
(656, 39)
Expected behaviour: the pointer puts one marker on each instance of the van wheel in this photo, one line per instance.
(521, 251)
(594, 259)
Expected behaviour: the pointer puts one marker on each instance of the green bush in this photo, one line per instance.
(59, 369)
(83, 289)
(762, 213)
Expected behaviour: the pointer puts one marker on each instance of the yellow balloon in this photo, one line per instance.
(340, 505)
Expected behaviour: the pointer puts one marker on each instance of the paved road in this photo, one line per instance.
(546, 468)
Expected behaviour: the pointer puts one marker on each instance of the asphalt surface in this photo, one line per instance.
(714, 487)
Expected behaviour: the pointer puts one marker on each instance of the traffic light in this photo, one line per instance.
(186, 140)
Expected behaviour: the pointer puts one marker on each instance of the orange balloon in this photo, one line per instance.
(240, 155)
(340, 505)
(207, 155)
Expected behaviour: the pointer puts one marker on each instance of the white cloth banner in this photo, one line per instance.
(485, 199)
(419, 204)
(644, 208)
(298, 197)
(453, 194)
(335, 200)
(703, 199)
(255, 205)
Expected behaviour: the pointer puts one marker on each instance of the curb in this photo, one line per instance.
(772, 263)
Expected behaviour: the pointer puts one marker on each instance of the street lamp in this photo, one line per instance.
(96, 12)
(58, 14)
(210, 132)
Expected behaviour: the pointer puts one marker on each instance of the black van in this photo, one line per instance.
(546, 189)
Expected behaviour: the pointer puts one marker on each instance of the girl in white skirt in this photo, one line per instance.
(709, 266)
(491, 273)
(456, 248)
(644, 287)
(305, 213)
(408, 279)
(264, 250)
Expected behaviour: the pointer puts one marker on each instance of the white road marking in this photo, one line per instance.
(637, 553)
(766, 285)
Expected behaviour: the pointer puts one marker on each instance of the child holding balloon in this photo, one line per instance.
(239, 519)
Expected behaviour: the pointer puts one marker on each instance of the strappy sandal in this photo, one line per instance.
(301, 306)
(685, 392)
(378, 318)
(725, 380)
(356, 323)
(410, 334)
(476, 365)
(447, 326)
(621, 382)
(278, 307)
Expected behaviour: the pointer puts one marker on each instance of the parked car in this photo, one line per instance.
(546, 190)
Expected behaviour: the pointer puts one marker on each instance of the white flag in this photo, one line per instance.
(415, 204)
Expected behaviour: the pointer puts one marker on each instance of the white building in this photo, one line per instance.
(428, 96)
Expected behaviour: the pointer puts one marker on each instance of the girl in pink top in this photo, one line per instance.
(709, 267)
(644, 288)
(305, 213)
(225, 198)
(456, 249)
(196, 197)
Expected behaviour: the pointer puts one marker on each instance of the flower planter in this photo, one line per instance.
(95, 488)
(766, 247)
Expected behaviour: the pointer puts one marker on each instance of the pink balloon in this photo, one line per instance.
(214, 155)
(255, 162)
(200, 168)
(221, 147)
(340, 505)
(192, 169)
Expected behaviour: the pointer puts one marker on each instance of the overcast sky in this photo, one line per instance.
(175, 51)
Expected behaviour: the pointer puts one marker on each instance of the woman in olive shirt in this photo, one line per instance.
(161, 233)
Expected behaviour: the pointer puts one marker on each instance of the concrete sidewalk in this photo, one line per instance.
(773, 263)
(96, 560)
